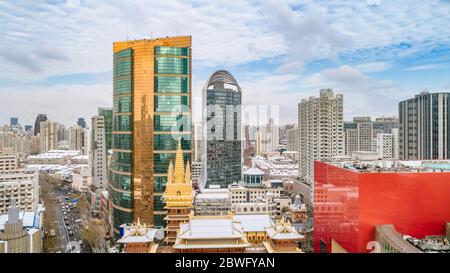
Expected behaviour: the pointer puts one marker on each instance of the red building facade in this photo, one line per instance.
(348, 204)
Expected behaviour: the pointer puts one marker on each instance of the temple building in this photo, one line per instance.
(178, 196)
(211, 234)
(21, 231)
(297, 211)
(140, 239)
(282, 238)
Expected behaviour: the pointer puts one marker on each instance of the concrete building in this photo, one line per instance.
(8, 162)
(21, 185)
(268, 139)
(196, 141)
(292, 139)
(212, 202)
(221, 145)
(387, 146)
(21, 232)
(99, 153)
(78, 138)
(320, 124)
(423, 129)
(82, 180)
(48, 136)
(360, 135)
(196, 173)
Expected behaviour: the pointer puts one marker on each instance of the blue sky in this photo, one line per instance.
(55, 56)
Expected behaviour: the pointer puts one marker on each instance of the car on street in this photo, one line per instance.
(70, 233)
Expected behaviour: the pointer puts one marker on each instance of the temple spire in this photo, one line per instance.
(179, 165)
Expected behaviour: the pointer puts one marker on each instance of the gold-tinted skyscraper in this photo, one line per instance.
(152, 110)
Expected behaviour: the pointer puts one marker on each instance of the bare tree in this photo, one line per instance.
(93, 234)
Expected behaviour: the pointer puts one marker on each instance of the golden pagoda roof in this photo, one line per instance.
(179, 192)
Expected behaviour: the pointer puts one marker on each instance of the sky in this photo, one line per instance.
(56, 56)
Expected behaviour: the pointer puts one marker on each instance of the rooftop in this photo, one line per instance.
(392, 166)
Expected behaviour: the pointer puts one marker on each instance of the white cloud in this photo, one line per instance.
(363, 95)
(427, 67)
(41, 39)
(373, 67)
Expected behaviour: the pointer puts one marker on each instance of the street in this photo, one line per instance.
(71, 231)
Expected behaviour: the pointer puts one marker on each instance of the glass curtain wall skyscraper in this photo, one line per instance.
(151, 111)
(221, 145)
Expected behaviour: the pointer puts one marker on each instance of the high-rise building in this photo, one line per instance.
(292, 139)
(28, 127)
(98, 153)
(151, 112)
(14, 121)
(101, 138)
(197, 141)
(360, 135)
(221, 145)
(37, 125)
(48, 135)
(387, 145)
(320, 125)
(423, 128)
(106, 113)
(78, 138)
(269, 137)
(81, 122)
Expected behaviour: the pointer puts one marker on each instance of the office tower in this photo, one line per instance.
(292, 138)
(78, 138)
(270, 137)
(106, 113)
(320, 128)
(151, 112)
(48, 135)
(14, 121)
(221, 145)
(81, 122)
(178, 195)
(197, 141)
(28, 127)
(423, 127)
(40, 118)
(98, 152)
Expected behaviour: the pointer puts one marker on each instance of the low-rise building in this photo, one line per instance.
(8, 162)
(212, 202)
(19, 184)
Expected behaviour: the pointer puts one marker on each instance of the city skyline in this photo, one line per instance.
(378, 55)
